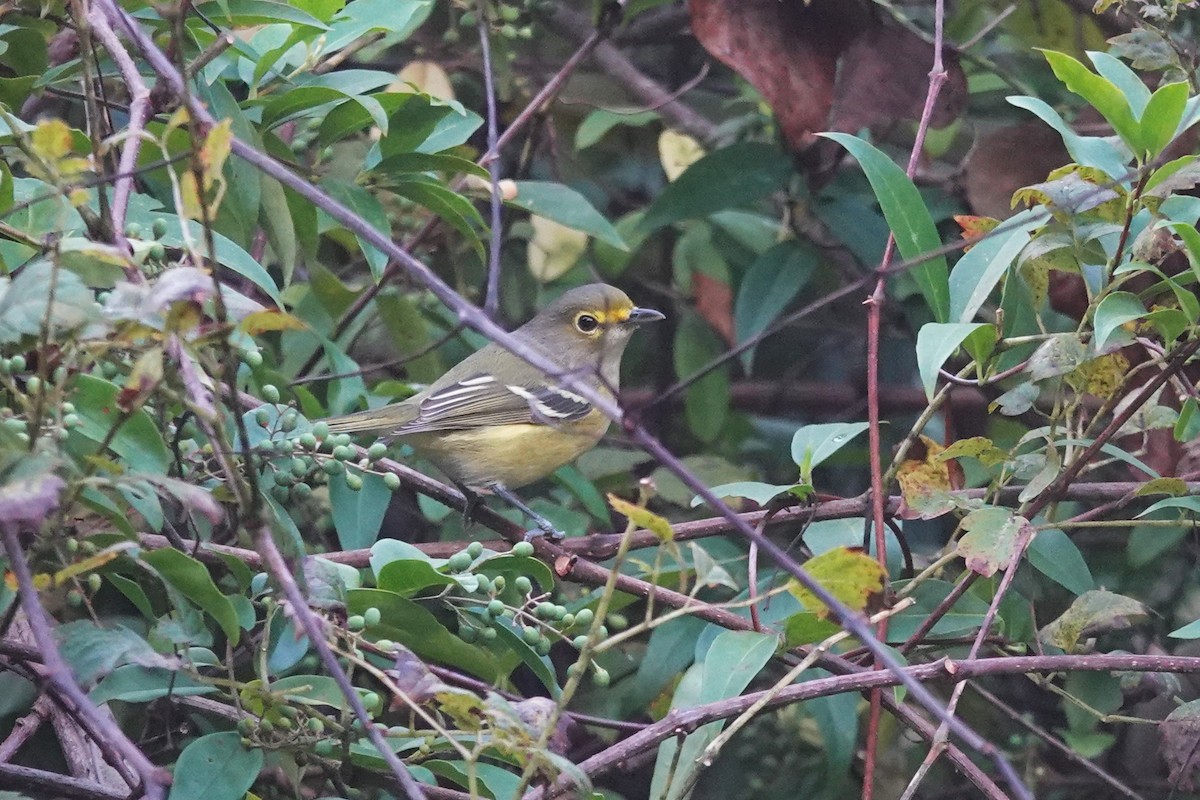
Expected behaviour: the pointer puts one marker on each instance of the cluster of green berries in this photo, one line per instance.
(33, 386)
(312, 457)
(283, 725)
(510, 20)
(156, 254)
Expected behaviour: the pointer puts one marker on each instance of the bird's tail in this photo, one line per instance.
(379, 420)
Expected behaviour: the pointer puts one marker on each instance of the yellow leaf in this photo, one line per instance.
(270, 320)
(643, 518)
(677, 151)
(51, 140)
(425, 76)
(553, 249)
(851, 576)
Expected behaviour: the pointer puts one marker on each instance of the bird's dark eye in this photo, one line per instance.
(586, 323)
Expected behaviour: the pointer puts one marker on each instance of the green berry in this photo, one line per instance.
(523, 584)
(567, 620)
(458, 562)
(372, 700)
(253, 359)
(600, 677)
(320, 430)
(574, 670)
(281, 493)
(475, 549)
(386, 645)
(68, 408)
(488, 634)
(467, 20)
(542, 648)
(315, 725)
(468, 634)
(266, 727)
(372, 616)
(95, 582)
(159, 228)
(579, 642)
(245, 726)
(495, 608)
(18, 363)
(343, 452)
(619, 621)
(508, 31)
(75, 598)
(270, 393)
(391, 480)
(33, 385)
(342, 439)
(302, 490)
(560, 612)
(544, 611)
(133, 230)
(5, 366)
(289, 419)
(355, 622)
(284, 723)
(263, 417)
(522, 549)
(157, 252)
(531, 635)
(332, 467)
(584, 617)
(72, 545)
(299, 466)
(308, 441)
(498, 583)
(602, 632)
(377, 451)
(323, 747)
(71, 421)
(509, 13)
(485, 583)
(354, 481)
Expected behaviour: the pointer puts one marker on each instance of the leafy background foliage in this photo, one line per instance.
(175, 322)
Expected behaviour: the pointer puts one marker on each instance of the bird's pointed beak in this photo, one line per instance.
(638, 316)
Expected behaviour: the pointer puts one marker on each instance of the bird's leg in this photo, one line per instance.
(546, 528)
(472, 501)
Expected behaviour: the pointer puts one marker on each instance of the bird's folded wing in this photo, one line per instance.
(482, 400)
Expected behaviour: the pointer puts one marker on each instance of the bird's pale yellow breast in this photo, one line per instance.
(514, 454)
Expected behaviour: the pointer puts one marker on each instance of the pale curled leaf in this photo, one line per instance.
(1092, 613)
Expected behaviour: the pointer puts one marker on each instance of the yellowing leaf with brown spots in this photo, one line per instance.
(926, 481)
(1101, 376)
(979, 448)
(643, 518)
(851, 576)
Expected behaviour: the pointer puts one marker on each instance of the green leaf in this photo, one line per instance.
(133, 683)
(1162, 116)
(965, 615)
(365, 204)
(1101, 93)
(93, 651)
(706, 404)
(1116, 309)
(732, 661)
(812, 444)
(755, 491)
(601, 121)
(910, 221)
(1089, 151)
(541, 666)
(215, 767)
(138, 440)
(567, 207)
(771, 283)
(936, 342)
(408, 576)
(416, 628)
(357, 515)
(193, 580)
(449, 205)
(1054, 555)
(981, 268)
(731, 177)
(40, 291)
(248, 13)
(1189, 504)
